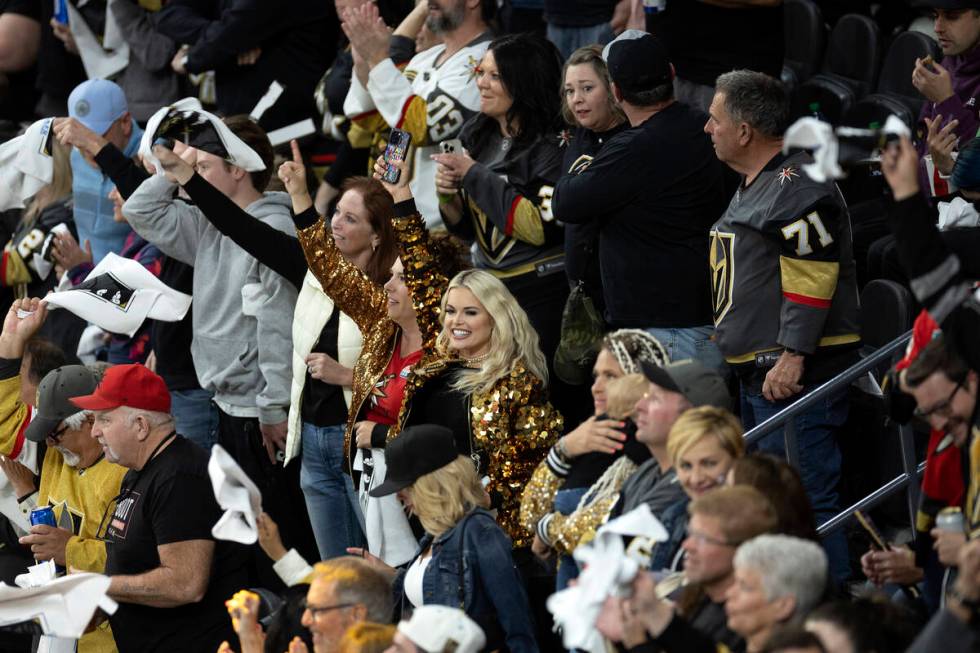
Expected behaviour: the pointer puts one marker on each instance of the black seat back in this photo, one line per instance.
(805, 38)
(886, 312)
(854, 52)
(896, 70)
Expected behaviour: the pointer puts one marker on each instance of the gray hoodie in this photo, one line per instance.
(243, 311)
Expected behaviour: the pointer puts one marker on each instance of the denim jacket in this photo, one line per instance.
(472, 569)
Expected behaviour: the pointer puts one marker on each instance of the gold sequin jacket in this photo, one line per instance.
(512, 424)
(563, 533)
(367, 304)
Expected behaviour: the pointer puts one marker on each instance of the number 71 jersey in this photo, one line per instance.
(782, 265)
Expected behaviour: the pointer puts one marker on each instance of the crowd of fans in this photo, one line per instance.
(396, 361)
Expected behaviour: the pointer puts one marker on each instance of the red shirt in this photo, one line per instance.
(386, 395)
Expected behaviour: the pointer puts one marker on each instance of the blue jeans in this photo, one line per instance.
(692, 342)
(819, 459)
(566, 501)
(195, 416)
(570, 39)
(330, 499)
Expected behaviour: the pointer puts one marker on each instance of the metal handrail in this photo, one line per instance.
(785, 419)
(845, 378)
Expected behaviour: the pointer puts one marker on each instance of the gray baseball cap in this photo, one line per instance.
(700, 385)
(53, 394)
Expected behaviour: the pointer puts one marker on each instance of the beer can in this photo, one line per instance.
(44, 516)
(61, 11)
(951, 519)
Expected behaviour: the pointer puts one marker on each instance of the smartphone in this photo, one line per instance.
(398, 143)
(452, 146)
(61, 11)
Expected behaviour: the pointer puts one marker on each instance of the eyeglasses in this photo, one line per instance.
(317, 609)
(943, 408)
(56, 436)
(701, 538)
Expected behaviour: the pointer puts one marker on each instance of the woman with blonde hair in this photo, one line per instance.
(46, 210)
(464, 560)
(703, 445)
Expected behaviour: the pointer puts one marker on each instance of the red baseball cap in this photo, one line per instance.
(127, 385)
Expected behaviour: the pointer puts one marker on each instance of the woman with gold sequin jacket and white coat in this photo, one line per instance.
(504, 416)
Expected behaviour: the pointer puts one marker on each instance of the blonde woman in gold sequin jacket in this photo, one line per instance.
(504, 415)
(485, 376)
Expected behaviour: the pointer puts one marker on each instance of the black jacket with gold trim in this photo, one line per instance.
(507, 203)
(782, 269)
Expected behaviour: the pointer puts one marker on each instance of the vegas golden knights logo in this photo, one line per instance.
(722, 261)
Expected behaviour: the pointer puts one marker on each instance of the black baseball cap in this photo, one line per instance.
(415, 452)
(700, 385)
(637, 61)
(53, 394)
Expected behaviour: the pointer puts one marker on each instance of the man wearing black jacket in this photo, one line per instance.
(655, 191)
(251, 43)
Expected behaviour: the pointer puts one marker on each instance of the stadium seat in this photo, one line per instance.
(849, 72)
(805, 36)
(886, 312)
(895, 92)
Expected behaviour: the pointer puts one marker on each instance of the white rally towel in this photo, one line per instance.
(63, 607)
(104, 59)
(607, 571)
(26, 165)
(389, 535)
(237, 496)
(186, 121)
(823, 139)
(119, 294)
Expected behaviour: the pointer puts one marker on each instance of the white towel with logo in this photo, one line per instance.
(119, 294)
(239, 153)
(388, 532)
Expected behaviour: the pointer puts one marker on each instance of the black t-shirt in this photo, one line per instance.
(171, 500)
(17, 103)
(323, 403)
(705, 41)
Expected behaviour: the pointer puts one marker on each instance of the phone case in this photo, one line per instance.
(397, 149)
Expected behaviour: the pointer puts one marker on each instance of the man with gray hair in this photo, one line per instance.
(169, 575)
(344, 591)
(654, 192)
(784, 287)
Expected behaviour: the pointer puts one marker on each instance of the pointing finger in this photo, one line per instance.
(297, 157)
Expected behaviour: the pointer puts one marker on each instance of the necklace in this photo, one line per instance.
(475, 361)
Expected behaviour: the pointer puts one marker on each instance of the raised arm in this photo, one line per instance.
(352, 292)
(424, 279)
